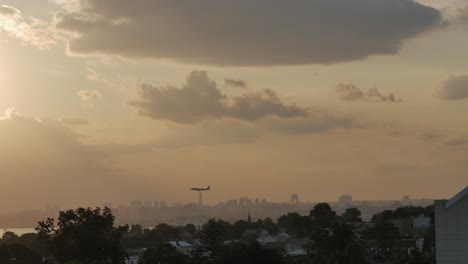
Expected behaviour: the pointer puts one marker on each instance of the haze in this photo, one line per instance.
(114, 100)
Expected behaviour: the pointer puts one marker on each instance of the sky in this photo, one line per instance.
(117, 100)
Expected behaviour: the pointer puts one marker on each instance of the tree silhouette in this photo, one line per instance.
(336, 245)
(213, 235)
(163, 253)
(250, 254)
(323, 214)
(18, 254)
(352, 215)
(83, 235)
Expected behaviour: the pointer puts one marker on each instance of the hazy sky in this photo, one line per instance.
(113, 100)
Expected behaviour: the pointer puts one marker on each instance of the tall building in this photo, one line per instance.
(451, 226)
(294, 198)
(406, 200)
(345, 199)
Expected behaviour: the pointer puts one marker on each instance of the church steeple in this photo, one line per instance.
(249, 219)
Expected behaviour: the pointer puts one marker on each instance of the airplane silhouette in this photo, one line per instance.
(200, 189)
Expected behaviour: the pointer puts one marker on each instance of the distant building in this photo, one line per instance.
(422, 221)
(406, 200)
(243, 200)
(162, 204)
(345, 199)
(294, 198)
(451, 224)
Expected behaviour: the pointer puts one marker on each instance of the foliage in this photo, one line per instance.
(213, 235)
(18, 254)
(250, 254)
(83, 235)
(351, 215)
(337, 245)
(403, 212)
(87, 236)
(163, 253)
(384, 235)
(296, 225)
(323, 214)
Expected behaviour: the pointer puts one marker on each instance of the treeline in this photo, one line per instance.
(85, 236)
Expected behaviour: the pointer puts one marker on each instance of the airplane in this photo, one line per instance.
(200, 189)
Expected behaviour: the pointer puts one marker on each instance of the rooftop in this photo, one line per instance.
(457, 198)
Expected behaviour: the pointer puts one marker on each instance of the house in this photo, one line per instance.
(132, 260)
(182, 246)
(451, 228)
(296, 246)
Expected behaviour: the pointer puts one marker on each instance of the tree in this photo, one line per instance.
(239, 227)
(18, 254)
(270, 226)
(384, 234)
(163, 253)
(191, 229)
(250, 254)
(323, 214)
(83, 235)
(9, 237)
(337, 245)
(296, 224)
(167, 232)
(352, 215)
(213, 235)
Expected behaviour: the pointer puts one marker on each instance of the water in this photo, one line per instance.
(17, 231)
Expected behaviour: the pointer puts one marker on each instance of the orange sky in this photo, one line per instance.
(106, 101)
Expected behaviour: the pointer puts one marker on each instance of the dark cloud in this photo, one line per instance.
(245, 32)
(349, 92)
(235, 83)
(200, 98)
(454, 88)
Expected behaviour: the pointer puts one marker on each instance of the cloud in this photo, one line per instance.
(9, 11)
(463, 14)
(235, 83)
(245, 32)
(349, 92)
(454, 88)
(42, 161)
(32, 31)
(232, 131)
(457, 142)
(89, 95)
(74, 121)
(200, 98)
(430, 136)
